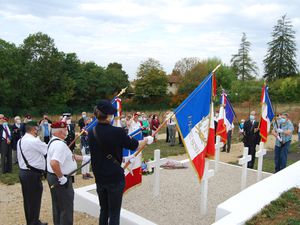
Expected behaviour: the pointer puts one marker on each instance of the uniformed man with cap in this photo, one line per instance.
(31, 158)
(60, 164)
(106, 143)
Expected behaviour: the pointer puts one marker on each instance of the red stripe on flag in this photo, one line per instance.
(221, 130)
(210, 152)
(263, 128)
(133, 178)
(199, 163)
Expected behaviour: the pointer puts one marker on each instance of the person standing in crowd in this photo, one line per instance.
(32, 164)
(154, 125)
(171, 124)
(18, 131)
(227, 146)
(81, 123)
(251, 137)
(5, 145)
(60, 163)
(71, 131)
(166, 116)
(134, 124)
(106, 143)
(283, 132)
(45, 127)
(85, 150)
(45, 117)
(146, 126)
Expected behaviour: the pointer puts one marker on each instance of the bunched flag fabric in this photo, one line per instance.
(195, 121)
(267, 114)
(133, 173)
(117, 103)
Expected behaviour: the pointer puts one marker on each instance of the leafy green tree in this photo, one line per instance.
(148, 65)
(280, 61)
(152, 83)
(244, 67)
(49, 85)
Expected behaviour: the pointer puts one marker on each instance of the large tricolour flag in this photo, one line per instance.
(195, 121)
(267, 114)
(133, 173)
(117, 103)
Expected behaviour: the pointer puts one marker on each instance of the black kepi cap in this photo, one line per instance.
(106, 107)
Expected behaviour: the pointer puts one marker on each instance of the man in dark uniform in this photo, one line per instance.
(5, 145)
(32, 163)
(106, 143)
(71, 130)
(251, 137)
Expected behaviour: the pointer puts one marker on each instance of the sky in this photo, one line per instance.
(130, 31)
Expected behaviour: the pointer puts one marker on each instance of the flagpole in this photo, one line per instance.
(84, 130)
(164, 123)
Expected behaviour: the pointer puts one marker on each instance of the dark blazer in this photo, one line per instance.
(251, 138)
(17, 133)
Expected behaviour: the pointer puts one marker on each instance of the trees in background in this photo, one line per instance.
(244, 67)
(151, 85)
(280, 61)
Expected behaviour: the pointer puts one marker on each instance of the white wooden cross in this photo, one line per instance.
(260, 154)
(156, 165)
(204, 187)
(244, 161)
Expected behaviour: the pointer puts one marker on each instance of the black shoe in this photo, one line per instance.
(223, 150)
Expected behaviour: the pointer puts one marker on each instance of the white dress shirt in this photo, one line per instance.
(34, 151)
(59, 151)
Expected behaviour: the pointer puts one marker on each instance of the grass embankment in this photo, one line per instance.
(282, 211)
(148, 153)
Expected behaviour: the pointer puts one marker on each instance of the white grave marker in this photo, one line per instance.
(260, 154)
(244, 161)
(204, 187)
(156, 164)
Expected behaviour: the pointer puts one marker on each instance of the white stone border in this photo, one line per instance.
(241, 207)
(87, 202)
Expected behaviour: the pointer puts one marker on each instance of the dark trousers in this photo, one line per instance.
(62, 200)
(167, 135)
(252, 150)
(32, 189)
(6, 157)
(228, 143)
(46, 139)
(281, 156)
(110, 199)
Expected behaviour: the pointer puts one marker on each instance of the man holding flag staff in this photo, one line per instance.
(106, 144)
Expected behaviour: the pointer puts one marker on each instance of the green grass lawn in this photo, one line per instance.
(284, 210)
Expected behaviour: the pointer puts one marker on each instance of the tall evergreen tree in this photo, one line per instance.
(280, 61)
(241, 62)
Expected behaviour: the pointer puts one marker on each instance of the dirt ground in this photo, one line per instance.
(11, 201)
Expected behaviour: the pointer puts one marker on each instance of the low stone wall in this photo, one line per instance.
(244, 205)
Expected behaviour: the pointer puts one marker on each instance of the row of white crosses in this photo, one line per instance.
(208, 173)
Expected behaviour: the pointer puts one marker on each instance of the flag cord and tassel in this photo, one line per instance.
(169, 117)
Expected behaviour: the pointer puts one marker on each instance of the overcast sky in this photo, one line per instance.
(129, 32)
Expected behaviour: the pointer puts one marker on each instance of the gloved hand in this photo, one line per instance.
(279, 130)
(86, 158)
(279, 138)
(62, 180)
(130, 159)
(149, 140)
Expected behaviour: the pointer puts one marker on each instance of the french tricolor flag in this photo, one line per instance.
(195, 121)
(221, 128)
(267, 114)
(117, 103)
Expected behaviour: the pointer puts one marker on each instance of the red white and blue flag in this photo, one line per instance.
(267, 114)
(195, 121)
(117, 103)
(226, 116)
(133, 173)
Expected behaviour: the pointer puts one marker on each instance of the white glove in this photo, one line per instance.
(279, 130)
(149, 140)
(279, 138)
(86, 158)
(62, 180)
(130, 159)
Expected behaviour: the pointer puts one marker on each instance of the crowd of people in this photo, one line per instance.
(52, 155)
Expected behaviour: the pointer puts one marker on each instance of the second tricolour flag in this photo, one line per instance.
(267, 114)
